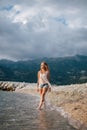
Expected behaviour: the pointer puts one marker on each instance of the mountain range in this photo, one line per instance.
(63, 70)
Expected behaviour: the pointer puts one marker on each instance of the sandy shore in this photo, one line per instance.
(69, 100)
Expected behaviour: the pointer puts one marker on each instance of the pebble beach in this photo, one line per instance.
(69, 100)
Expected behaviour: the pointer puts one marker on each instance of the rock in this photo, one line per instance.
(7, 86)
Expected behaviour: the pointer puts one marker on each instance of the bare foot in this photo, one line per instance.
(39, 108)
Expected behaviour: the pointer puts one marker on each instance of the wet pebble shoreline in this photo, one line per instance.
(69, 100)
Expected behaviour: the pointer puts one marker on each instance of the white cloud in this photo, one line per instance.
(48, 28)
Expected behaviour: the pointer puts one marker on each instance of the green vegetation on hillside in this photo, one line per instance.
(66, 70)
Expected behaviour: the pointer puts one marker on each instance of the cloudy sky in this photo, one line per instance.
(42, 28)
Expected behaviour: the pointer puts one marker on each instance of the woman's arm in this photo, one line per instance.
(38, 75)
(48, 77)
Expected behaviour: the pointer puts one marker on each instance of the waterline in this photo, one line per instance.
(18, 112)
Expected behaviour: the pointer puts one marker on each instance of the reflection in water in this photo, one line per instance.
(43, 122)
(18, 112)
(51, 120)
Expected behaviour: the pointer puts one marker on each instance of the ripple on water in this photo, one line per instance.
(18, 112)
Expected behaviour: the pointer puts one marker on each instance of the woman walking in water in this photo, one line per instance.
(43, 84)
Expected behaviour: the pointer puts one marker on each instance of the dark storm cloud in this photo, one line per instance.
(48, 28)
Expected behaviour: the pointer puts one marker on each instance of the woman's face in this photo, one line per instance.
(42, 66)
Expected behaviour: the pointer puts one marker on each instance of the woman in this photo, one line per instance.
(43, 83)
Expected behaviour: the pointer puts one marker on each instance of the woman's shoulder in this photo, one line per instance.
(47, 72)
(39, 72)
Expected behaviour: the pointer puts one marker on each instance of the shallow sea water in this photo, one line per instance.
(19, 112)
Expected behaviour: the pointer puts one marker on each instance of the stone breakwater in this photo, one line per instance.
(14, 86)
(69, 100)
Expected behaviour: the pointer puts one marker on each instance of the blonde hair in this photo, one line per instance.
(46, 66)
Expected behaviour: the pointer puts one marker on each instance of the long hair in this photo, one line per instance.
(46, 66)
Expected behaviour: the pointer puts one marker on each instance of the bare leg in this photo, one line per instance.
(42, 100)
(44, 103)
(40, 90)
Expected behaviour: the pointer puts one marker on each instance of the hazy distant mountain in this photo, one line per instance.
(66, 70)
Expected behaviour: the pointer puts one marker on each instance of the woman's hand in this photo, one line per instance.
(49, 89)
(37, 89)
(37, 86)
